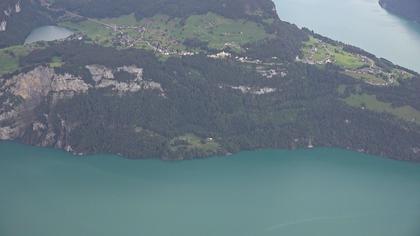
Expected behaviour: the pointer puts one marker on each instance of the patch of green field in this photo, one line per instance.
(347, 60)
(370, 102)
(220, 32)
(192, 142)
(96, 32)
(369, 78)
(341, 89)
(168, 33)
(163, 31)
(313, 50)
(122, 20)
(56, 62)
(9, 58)
(319, 52)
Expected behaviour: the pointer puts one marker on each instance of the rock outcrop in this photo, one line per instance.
(3, 25)
(254, 90)
(8, 10)
(104, 78)
(22, 93)
(40, 81)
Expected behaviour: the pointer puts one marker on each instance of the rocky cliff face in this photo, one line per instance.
(24, 92)
(18, 18)
(21, 96)
(104, 78)
(8, 9)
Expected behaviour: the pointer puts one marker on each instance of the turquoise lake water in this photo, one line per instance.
(362, 23)
(48, 33)
(317, 192)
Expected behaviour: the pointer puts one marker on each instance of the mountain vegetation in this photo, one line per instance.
(18, 18)
(409, 9)
(176, 79)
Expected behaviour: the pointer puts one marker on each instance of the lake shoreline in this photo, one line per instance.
(350, 26)
(48, 33)
(218, 156)
(264, 192)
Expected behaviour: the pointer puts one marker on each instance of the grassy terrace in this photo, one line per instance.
(166, 35)
(191, 142)
(99, 34)
(318, 52)
(370, 102)
(219, 31)
(56, 62)
(371, 78)
(9, 58)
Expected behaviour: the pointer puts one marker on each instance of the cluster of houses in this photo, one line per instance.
(267, 70)
(123, 39)
(384, 78)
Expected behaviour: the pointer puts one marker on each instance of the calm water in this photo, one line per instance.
(359, 22)
(320, 192)
(48, 33)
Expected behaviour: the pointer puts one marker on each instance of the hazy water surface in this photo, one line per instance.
(362, 23)
(318, 192)
(48, 33)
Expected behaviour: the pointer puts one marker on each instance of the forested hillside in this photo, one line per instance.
(406, 8)
(176, 79)
(18, 18)
(251, 9)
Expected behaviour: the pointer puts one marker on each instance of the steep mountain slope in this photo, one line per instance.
(179, 79)
(406, 8)
(18, 18)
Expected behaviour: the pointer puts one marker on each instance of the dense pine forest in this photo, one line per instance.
(178, 79)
